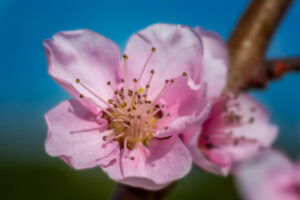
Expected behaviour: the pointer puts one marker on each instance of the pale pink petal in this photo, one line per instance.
(75, 135)
(178, 50)
(86, 55)
(152, 168)
(215, 62)
(186, 109)
(214, 73)
(269, 176)
(213, 46)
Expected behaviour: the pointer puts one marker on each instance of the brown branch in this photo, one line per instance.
(274, 69)
(249, 40)
(124, 192)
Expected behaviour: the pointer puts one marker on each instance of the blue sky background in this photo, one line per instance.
(27, 92)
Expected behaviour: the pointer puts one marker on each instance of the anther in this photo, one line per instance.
(131, 158)
(104, 138)
(81, 96)
(167, 81)
(184, 74)
(153, 49)
(172, 80)
(108, 82)
(251, 120)
(124, 104)
(152, 71)
(116, 92)
(110, 101)
(125, 57)
(166, 128)
(135, 80)
(122, 80)
(77, 80)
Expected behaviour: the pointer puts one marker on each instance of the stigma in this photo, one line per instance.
(131, 115)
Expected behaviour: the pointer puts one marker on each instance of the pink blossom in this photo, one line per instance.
(127, 114)
(236, 128)
(269, 176)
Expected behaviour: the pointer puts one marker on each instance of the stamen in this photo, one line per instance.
(96, 105)
(149, 81)
(91, 91)
(161, 93)
(125, 76)
(145, 65)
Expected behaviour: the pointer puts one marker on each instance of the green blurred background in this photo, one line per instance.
(27, 92)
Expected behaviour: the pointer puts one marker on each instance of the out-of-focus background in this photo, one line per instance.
(27, 92)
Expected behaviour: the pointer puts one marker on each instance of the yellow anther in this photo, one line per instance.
(125, 57)
(153, 49)
(184, 74)
(152, 71)
(141, 90)
(77, 80)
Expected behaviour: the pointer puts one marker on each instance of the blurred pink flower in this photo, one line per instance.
(236, 128)
(269, 176)
(128, 115)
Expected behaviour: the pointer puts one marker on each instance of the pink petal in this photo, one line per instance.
(267, 177)
(214, 74)
(214, 47)
(187, 109)
(152, 168)
(190, 139)
(178, 50)
(77, 137)
(215, 62)
(86, 55)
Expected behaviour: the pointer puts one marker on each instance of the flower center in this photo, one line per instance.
(132, 117)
